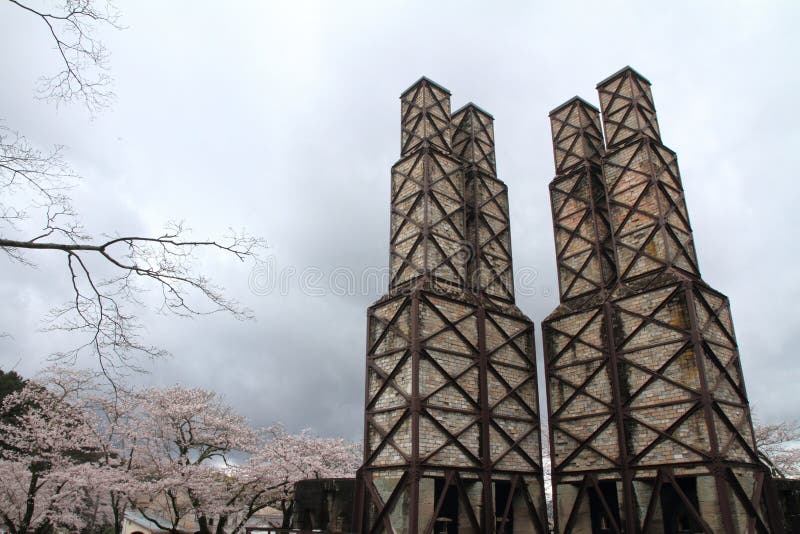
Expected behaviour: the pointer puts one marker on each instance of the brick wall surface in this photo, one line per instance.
(642, 367)
(451, 389)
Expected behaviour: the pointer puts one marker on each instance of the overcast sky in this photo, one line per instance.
(283, 118)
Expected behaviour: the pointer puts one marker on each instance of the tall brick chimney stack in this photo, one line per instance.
(451, 424)
(425, 117)
(488, 226)
(473, 138)
(651, 224)
(427, 195)
(628, 110)
(584, 253)
(649, 418)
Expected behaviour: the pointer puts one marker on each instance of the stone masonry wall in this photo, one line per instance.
(643, 373)
(450, 382)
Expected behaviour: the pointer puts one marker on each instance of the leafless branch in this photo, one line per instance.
(98, 307)
(167, 260)
(36, 215)
(34, 180)
(84, 60)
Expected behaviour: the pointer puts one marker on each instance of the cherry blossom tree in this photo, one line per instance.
(104, 501)
(268, 478)
(780, 443)
(46, 459)
(185, 440)
(116, 449)
(74, 454)
(196, 456)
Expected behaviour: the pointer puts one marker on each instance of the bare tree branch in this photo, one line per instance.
(98, 307)
(34, 180)
(36, 215)
(83, 77)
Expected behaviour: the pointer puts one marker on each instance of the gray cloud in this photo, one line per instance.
(283, 118)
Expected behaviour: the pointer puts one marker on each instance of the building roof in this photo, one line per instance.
(622, 71)
(475, 106)
(425, 79)
(570, 101)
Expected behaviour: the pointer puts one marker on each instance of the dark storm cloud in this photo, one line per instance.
(283, 118)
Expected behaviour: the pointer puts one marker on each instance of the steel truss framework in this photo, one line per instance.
(451, 393)
(645, 386)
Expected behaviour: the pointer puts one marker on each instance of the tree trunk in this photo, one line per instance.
(202, 520)
(118, 508)
(12, 528)
(30, 503)
(223, 520)
(202, 525)
(287, 513)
